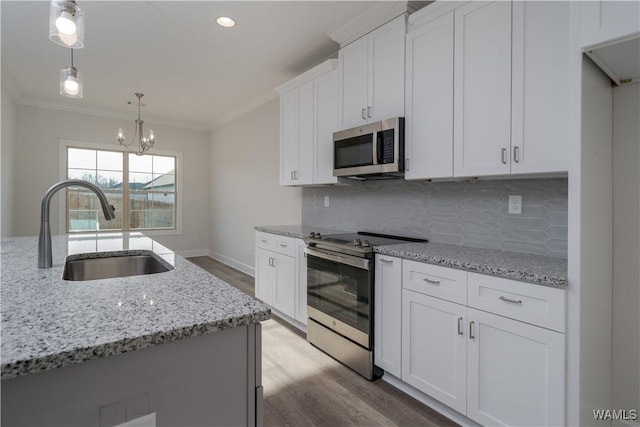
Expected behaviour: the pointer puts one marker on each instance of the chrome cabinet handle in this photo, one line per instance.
(406, 164)
(504, 156)
(471, 336)
(292, 175)
(369, 112)
(433, 282)
(386, 261)
(364, 117)
(516, 154)
(270, 262)
(459, 325)
(512, 301)
(263, 240)
(283, 245)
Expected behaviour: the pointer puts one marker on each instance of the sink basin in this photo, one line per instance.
(106, 265)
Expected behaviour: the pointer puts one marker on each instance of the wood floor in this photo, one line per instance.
(305, 387)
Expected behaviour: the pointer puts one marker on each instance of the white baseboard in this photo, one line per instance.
(193, 253)
(429, 401)
(247, 269)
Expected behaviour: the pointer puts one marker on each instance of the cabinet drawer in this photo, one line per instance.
(539, 305)
(276, 243)
(440, 282)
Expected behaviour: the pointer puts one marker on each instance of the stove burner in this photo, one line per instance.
(360, 243)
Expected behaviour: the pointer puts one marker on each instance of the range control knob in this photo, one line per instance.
(318, 236)
(365, 244)
(357, 242)
(314, 235)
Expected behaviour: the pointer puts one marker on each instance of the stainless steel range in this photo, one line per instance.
(340, 283)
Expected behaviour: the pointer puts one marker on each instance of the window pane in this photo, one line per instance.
(152, 210)
(109, 179)
(85, 211)
(81, 159)
(163, 164)
(142, 163)
(109, 160)
(138, 181)
(83, 174)
(164, 182)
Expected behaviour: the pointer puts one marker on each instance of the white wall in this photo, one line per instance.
(625, 379)
(8, 113)
(245, 189)
(595, 236)
(38, 132)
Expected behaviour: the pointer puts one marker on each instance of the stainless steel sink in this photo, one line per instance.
(106, 265)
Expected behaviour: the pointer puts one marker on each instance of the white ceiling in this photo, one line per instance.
(193, 73)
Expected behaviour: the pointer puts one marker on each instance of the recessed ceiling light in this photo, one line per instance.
(225, 21)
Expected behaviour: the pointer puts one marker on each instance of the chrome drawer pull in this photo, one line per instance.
(433, 282)
(386, 261)
(471, 336)
(282, 245)
(459, 325)
(263, 240)
(512, 301)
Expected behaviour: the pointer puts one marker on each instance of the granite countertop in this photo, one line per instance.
(295, 231)
(537, 269)
(49, 323)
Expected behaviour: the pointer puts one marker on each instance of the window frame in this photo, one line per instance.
(64, 144)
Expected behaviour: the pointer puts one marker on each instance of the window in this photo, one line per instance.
(148, 201)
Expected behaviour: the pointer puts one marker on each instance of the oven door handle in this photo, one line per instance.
(353, 261)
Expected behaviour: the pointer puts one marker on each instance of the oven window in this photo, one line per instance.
(340, 291)
(356, 151)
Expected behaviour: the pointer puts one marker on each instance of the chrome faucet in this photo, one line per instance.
(44, 240)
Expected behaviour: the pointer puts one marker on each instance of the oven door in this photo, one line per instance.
(340, 294)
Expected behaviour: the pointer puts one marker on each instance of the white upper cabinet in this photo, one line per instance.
(371, 76)
(296, 136)
(429, 100)
(308, 118)
(605, 21)
(540, 109)
(482, 125)
(326, 122)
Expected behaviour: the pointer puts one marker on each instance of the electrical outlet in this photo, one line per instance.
(515, 205)
(326, 201)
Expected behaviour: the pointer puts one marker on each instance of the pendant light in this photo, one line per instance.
(71, 81)
(66, 24)
(144, 142)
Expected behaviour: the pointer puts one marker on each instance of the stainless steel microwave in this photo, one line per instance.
(371, 151)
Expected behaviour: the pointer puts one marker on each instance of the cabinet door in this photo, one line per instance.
(605, 20)
(326, 110)
(285, 283)
(288, 137)
(429, 100)
(434, 348)
(540, 110)
(305, 134)
(264, 276)
(388, 314)
(386, 70)
(516, 372)
(301, 288)
(482, 122)
(352, 80)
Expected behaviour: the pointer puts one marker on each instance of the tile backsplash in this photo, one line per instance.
(464, 213)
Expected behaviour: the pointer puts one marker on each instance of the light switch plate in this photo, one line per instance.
(326, 201)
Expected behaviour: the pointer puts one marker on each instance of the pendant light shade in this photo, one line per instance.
(71, 81)
(66, 24)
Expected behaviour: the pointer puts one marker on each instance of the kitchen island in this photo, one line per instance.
(175, 348)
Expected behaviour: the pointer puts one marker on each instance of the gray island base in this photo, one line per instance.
(208, 380)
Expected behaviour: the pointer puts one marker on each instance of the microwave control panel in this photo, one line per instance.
(385, 149)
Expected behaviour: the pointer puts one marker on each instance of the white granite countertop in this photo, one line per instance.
(48, 322)
(537, 269)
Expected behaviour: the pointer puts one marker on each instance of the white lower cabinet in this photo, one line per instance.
(494, 368)
(280, 281)
(388, 314)
(434, 355)
(515, 373)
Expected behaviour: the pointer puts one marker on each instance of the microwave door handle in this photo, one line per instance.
(375, 147)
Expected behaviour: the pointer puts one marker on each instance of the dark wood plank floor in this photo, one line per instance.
(305, 387)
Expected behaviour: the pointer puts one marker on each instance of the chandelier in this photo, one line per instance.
(144, 142)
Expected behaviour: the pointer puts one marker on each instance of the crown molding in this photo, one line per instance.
(37, 103)
(307, 76)
(372, 18)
